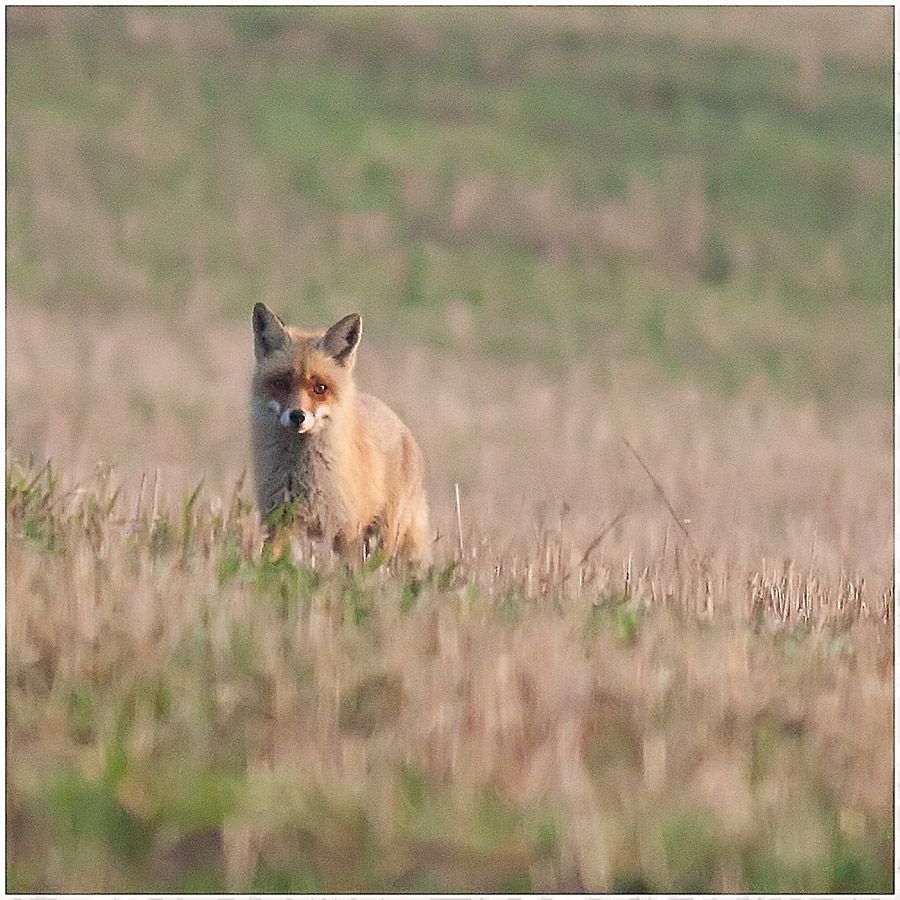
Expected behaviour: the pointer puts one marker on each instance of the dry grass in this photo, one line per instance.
(552, 712)
(623, 273)
(762, 479)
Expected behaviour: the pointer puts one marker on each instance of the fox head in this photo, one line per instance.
(301, 377)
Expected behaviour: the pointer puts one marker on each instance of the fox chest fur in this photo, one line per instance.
(295, 471)
(307, 474)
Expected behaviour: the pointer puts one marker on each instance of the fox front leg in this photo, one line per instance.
(276, 541)
(282, 524)
(353, 550)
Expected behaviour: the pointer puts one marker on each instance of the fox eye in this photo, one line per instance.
(319, 388)
(281, 384)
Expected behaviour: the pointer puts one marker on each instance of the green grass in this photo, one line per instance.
(161, 151)
(219, 697)
(552, 187)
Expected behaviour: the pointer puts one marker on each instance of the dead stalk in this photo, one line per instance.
(459, 521)
(678, 521)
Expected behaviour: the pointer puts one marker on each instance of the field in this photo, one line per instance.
(627, 275)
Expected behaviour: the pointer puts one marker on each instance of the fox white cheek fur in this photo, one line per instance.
(275, 406)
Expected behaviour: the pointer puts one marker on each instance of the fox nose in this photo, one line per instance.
(296, 417)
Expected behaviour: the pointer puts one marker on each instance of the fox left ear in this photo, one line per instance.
(342, 339)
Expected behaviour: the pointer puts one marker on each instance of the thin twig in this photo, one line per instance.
(155, 497)
(236, 494)
(605, 530)
(140, 499)
(459, 521)
(665, 499)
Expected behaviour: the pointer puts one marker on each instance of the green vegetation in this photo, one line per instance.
(563, 227)
(183, 716)
(592, 183)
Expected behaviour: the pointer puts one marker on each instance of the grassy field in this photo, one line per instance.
(677, 186)
(571, 232)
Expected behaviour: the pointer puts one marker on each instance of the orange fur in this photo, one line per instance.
(357, 471)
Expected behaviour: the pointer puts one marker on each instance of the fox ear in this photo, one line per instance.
(342, 339)
(268, 331)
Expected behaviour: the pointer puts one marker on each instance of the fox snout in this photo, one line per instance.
(294, 417)
(289, 418)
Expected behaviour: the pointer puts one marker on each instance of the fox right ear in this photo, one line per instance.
(340, 341)
(268, 331)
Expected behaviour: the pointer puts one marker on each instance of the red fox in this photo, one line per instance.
(327, 461)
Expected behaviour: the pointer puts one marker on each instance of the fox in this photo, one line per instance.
(330, 462)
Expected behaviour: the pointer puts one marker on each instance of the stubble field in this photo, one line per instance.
(591, 691)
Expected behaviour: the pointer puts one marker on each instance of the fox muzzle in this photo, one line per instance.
(292, 418)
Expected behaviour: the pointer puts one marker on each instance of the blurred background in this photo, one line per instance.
(561, 226)
(706, 190)
(609, 221)
(564, 227)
